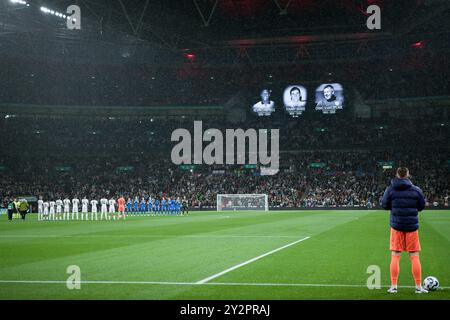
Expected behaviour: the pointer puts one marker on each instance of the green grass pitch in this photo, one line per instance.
(173, 257)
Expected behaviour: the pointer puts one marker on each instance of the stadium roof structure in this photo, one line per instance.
(223, 32)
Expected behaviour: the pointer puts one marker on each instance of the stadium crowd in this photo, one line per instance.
(134, 134)
(329, 163)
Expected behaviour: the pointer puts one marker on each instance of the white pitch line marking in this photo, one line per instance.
(141, 236)
(243, 284)
(249, 261)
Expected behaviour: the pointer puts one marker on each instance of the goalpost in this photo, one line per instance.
(235, 202)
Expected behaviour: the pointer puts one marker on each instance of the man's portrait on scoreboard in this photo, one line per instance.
(329, 97)
(294, 99)
(266, 106)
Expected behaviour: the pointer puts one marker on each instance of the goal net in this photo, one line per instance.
(242, 202)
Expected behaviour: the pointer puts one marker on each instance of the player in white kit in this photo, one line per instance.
(94, 209)
(51, 215)
(45, 211)
(84, 208)
(75, 203)
(59, 204)
(40, 208)
(112, 208)
(104, 208)
(66, 208)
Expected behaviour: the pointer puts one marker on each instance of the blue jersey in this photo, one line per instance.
(149, 205)
(163, 203)
(157, 204)
(143, 206)
(129, 204)
(136, 205)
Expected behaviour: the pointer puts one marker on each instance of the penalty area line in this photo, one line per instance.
(249, 261)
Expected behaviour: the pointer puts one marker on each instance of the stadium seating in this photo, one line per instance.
(323, 163)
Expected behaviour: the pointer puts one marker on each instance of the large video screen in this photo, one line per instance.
(294, 98)
(329, 97)
(264, 107)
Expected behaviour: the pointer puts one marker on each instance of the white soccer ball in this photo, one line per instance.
(431, 283)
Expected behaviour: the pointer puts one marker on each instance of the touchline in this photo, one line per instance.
(184, 152)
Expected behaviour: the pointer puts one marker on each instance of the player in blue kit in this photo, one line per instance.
(135, 205)
(150, 206)
(156, 206)
(129, 206)
(142, 206)
(175, 206)
(169, 206)
(164, 206)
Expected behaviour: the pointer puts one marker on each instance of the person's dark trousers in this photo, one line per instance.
(10, 214)
(23, 214)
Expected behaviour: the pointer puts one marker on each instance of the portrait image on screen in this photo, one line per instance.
(329, 97)
(294, 98)
(265, 106)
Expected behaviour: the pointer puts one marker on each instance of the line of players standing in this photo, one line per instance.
(69, 209)
(156, 206)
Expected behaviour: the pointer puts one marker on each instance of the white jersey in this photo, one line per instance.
(104, 203)
(59, 204)
(75, 203)
(40, 205)
(52, 206)
(112, 204)
(66, 205)
(94, 205)
(45, 205)
(84, 205)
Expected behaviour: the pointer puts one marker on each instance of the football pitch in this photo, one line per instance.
(317, 254)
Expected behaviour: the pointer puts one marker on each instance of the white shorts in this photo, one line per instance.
(75, 209)
(58, 210)
(66, 209)
(104, 209)
(112, 210)
(84, 209)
